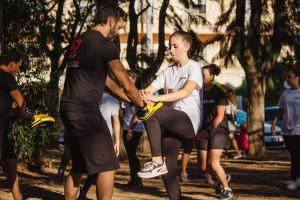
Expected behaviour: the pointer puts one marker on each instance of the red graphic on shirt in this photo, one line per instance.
(74, 48)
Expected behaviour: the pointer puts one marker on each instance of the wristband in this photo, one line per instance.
(144, 106)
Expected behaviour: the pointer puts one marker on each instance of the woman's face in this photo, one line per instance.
(178, 48)
(291, 79)
(208, 78)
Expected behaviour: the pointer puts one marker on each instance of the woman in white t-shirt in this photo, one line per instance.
(181, 120)
(289, 112)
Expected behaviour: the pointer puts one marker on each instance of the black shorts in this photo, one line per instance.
(6, 147)
(188, 146)
(90, 142)
(217, 140)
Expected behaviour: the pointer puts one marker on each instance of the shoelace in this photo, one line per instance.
(149, 166)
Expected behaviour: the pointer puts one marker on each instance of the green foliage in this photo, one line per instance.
(32, 143)
(41, 29)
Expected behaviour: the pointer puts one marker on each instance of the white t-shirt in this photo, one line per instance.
(173, 79)
(129, 117)
(231, 110)
(109, 106)
(290, 103)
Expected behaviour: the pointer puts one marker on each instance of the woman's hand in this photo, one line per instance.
(144, 93)
(150, 97)
(203, 135)
(129, 135)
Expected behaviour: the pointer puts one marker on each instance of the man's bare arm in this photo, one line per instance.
(120, 73)
(18, 98)
(114, 90)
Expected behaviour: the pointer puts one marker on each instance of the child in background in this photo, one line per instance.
(243, 139)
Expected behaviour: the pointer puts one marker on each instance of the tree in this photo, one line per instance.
(257, 44)
(43, 29)
(155, 60)
(133, 40)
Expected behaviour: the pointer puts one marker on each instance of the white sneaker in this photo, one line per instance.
(153, 169)
(237, 156)
(292, 185)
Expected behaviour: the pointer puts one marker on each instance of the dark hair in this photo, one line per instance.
(134, 73)
(296, 72)
(213, 69)
(109, 11)
(12, 55)
(192, 39)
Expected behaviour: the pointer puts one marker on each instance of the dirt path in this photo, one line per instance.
(252, 179)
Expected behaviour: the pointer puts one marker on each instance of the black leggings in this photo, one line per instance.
(177, 127)
(292, 144)
(131, 148)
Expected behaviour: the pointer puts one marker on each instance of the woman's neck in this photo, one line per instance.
(207, 87)
(182, 62)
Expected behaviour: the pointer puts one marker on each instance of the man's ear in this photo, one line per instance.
(112, 22)
(12, 64)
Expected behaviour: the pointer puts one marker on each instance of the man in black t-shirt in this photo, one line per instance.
(10, 95)
(88, 60)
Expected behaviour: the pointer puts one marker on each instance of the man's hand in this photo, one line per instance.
(129, 135)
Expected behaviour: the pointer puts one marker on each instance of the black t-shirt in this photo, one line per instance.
(87, 67)
(8, 83)
(211, 99)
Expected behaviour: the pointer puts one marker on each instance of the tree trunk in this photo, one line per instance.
(131, 54)
(149, 73)
(256, 96)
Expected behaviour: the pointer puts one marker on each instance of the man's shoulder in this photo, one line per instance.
(7, 76)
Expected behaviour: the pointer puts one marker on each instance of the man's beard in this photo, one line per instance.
(112, 33)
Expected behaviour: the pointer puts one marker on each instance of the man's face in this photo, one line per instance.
(114, 30)
(15, 67)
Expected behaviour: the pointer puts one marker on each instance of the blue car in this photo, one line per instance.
(270, 113)
(272, 141)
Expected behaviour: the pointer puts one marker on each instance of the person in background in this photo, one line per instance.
(66, 157)
(213, 135)
(230, 114)
(132, 133)
(243, 139)
(187, 150)
(289, 112)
